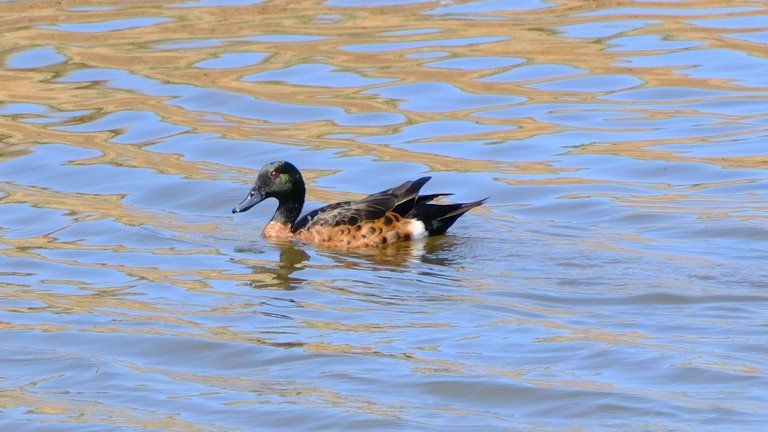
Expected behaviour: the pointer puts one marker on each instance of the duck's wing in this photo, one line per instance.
(400, 200)
(347, 213)
(406, 195)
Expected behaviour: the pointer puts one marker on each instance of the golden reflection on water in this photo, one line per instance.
(134, 49)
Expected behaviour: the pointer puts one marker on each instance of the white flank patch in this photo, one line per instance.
(418, 229)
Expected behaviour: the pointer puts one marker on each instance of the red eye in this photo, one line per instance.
(274, 174)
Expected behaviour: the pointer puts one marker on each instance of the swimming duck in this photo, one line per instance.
(392, 215)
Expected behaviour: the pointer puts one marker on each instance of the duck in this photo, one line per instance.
(394, 215)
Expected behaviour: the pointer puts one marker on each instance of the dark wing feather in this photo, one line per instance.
(407, 194)
(347, 213)
(421, 199)
(407, 189)
(400, 199)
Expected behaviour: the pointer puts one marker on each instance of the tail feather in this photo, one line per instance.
(437, 218)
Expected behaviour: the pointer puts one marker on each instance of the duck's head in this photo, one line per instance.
(281, 180)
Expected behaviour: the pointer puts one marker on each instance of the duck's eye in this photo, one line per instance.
(274, 174)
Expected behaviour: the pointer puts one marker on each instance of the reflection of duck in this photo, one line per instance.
(389, 216)
(287, 271)
(267, 275)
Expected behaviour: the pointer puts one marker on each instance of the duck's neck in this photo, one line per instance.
(289, 207)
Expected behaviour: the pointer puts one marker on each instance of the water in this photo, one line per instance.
(615, 280)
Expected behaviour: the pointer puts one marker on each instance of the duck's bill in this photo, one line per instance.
(254, 197)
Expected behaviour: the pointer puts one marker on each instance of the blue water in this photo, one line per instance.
(615, 279)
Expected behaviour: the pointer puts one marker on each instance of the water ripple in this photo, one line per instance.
(615, 279)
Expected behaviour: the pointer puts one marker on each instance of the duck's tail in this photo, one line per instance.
(437, 218)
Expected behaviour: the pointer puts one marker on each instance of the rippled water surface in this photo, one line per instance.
(615, 280)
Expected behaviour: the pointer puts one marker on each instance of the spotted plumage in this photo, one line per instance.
(390, 216)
